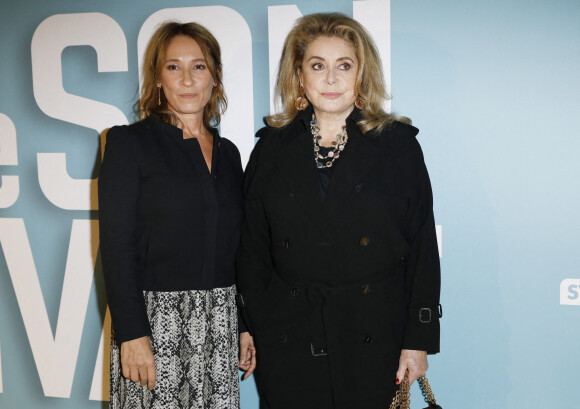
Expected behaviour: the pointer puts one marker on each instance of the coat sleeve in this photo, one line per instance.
(423, 276)
(253, 261)
(118, 202)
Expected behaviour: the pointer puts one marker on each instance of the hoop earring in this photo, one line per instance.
(159, 96)
(301, 102)
(359, 103)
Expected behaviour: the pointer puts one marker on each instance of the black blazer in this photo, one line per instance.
(166, 223)
(355, 276)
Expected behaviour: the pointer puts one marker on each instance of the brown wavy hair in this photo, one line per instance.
(369, 86)
(153, 63)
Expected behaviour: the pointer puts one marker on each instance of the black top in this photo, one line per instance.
(166, 222)
(324, 173)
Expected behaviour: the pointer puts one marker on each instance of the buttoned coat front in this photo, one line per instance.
(333, 288)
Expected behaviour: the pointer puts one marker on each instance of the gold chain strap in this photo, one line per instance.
(402, 399)
(426, 390)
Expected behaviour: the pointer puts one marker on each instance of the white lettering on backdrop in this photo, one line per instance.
(51, 37)
(55, 356)
(9, 187)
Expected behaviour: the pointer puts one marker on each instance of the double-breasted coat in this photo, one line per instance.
(333, 287)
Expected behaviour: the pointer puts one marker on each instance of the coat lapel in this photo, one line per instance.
(295, 162)
(357, 159)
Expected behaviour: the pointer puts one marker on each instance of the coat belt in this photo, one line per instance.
(318, 293)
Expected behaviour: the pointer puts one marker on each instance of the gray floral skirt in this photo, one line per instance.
(195, 345)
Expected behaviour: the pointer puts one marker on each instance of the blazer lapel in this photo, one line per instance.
(196, 157)
(175, 136)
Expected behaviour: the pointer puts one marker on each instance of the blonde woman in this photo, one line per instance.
(338, 266)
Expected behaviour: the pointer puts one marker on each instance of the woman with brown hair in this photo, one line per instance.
(170, 200)
(338, 266)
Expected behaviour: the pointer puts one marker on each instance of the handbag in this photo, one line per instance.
(402, 399)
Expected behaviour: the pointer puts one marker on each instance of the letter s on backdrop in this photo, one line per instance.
(51, 37)
(569, 291)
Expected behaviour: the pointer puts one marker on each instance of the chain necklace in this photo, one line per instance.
(337, 145)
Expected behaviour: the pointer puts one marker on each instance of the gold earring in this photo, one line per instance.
(359, 103)
(301, 102)
(159, 96)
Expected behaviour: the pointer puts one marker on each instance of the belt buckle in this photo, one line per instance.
(321, 353)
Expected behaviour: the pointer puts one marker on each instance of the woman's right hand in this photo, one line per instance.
(137, 361)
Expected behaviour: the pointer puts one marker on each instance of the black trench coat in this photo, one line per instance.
(332, 289)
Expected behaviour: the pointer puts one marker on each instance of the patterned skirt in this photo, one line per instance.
(195, 345)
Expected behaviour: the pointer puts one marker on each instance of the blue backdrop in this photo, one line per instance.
(494, 88)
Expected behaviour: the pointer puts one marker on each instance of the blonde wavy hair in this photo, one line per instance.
(153, 63)
(369, 87)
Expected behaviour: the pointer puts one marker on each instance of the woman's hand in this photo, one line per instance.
(415, 362)
(137, 361)
(247, 354)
